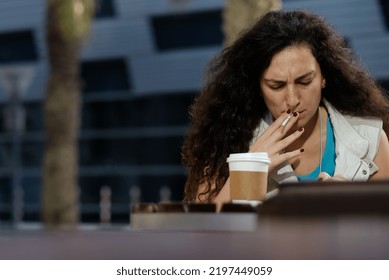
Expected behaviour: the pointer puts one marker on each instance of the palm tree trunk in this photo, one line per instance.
(239, 15)
(67, 24)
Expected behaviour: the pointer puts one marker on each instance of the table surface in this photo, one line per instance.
(333, 238)
(342, 221)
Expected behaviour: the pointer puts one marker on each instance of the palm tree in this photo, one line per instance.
(240, 14)
(67, 24)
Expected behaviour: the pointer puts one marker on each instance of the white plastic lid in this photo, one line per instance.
(262, 157)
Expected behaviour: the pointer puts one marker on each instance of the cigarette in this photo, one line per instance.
(285, 122)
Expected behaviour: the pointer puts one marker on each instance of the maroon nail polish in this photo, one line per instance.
(289, 111)
(302, 150)
(295, 114)
(301, 129)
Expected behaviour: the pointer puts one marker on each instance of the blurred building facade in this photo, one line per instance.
(140, 69)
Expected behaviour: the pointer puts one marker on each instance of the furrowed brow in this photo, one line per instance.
(302, 77)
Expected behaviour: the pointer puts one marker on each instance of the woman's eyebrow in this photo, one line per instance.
(298, 78)
(305, 75)
(274, 81)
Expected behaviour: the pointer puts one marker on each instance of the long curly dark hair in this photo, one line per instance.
(228, 109)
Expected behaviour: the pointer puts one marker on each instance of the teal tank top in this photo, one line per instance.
(328, 159)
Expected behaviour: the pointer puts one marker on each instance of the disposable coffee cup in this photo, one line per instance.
(248, 176)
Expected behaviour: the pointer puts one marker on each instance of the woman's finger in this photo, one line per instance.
(323, 176)
(274, 140)
(285, 142)
(281, 158)
(280, 126)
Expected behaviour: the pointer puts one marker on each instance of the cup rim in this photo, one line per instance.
(257, 156)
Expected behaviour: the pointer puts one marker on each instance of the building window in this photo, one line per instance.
(105, 75)
(34, 116)
(385, 11)
(17, 47)
(104, 8)
(192, 30)
(5, 199)
(127, 151)
(144, 111)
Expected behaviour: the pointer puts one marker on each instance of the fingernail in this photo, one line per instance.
(301, 129)
(301, 150)
(289, 111)
(295, 114)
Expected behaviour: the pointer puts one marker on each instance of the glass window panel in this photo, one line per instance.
(188, 30)
(105, 75)
(18, 46)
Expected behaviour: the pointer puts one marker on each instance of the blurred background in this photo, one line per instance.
(141, 67)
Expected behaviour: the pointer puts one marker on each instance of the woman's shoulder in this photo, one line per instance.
(359, 134)
(355, 121)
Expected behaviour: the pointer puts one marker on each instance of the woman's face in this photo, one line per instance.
(293, 81)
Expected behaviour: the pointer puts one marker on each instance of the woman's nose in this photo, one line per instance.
(292, 97)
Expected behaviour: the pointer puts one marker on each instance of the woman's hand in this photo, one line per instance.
(277, 137)
(324, 176)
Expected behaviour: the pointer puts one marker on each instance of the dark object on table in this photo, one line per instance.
(329, 199)
(200, 207)
(143, 208)
(170, 207)
(237, 208)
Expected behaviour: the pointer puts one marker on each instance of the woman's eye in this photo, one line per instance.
(276, 86)
(305, 83)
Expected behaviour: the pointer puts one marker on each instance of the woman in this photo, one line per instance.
(288, 86)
